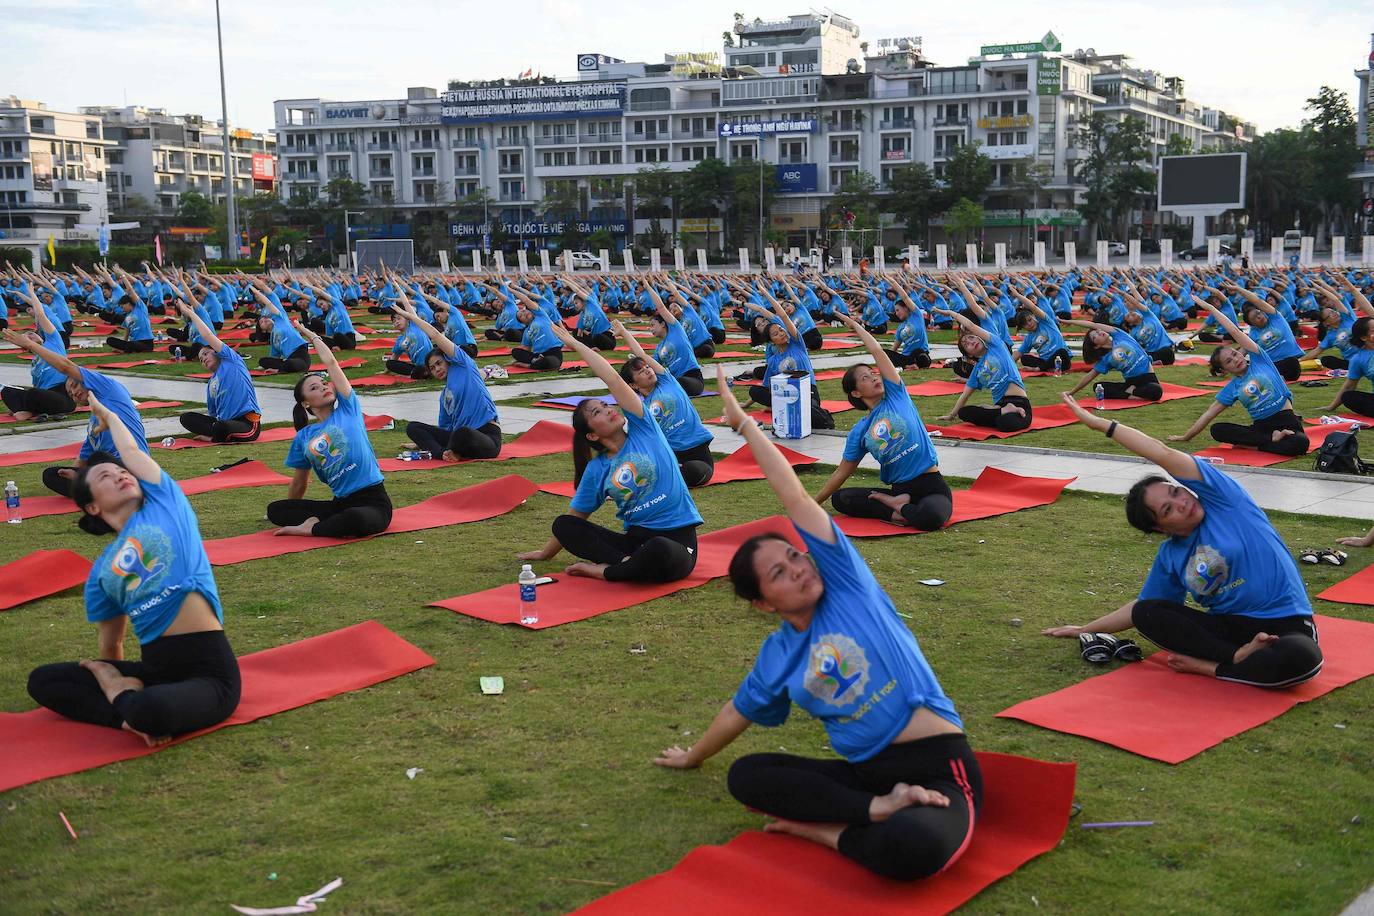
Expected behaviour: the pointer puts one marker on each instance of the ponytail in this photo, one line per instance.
(582, 447)
(300, 415)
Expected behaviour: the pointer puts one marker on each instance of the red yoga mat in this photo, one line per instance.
(543, 438)
(766, 415)
(494, 351)
(995, 492)
(377, 343)
(469, 504)
(41, 744)
(380, 381)
(350, 363)
(1049, 416)
(741, 465)
(935, 388)
(130, 364)
(831, 343)
(1171, 393)
(372, 422)
(1356, 589)
(40, 574)
(1026, 808)
(251, 474)
(61, 453)
(1254, 458)
(1151, 710)
(571, 598)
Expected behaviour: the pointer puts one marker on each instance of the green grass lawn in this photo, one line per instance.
(544, 798)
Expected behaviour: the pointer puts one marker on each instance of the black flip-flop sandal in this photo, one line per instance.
(1094, 649)
(1330, 556)
(1126, 650)
(1309, 555)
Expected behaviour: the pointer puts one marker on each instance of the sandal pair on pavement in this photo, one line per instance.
(1101, 648)
(1315, 555)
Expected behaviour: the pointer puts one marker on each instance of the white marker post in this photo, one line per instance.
(522, 261)
(1276, 250)
(971, 256)
(500, 258)
(1040, 255)
(1367, 252)
(679, 259)
(847, 258)
(628, 255)
(1070, 255)
(477, 262)
(1133, 253)
(770, 259)
(544, 264)
(744, 260)
(913, 257)
(701, 260)
(879, 258)
(942, 257)
(999, 255)
(1166, 253)
(1104, 258)
(1213, 252)
(1305, 251)
(655, 260)
(1337, 251)
(605, 261)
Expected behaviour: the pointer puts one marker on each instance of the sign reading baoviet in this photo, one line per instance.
(528, 103)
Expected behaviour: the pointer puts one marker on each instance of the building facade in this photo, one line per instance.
(52, 174)
(803, 96)
(1364, 138)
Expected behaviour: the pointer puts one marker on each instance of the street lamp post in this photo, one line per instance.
(760, 148)
(231, 233)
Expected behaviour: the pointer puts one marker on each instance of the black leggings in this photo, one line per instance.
(342, 341)
(1294, 658)
(638, 555)
(813, 338)
(129, 346)
(1290, 368)
(1335, 362)
(237, 429)
(185, 350)
(543, 360)
(1165, 355)
(994, 418)
(359, 514)
(1143, 387)
(918, 358)
(190, 682)
(408, 369)
(931, 504)
(54, 400)
(53, 480)
(1060, 359)
(692, 382)
(603, 341)
(1260, 434)
(697, 464)
(1358, 401)
(298, 361)
(1178, 324)
(508, 336)
(916, 842)
(718, 335)
(465, 441)
(704, 350)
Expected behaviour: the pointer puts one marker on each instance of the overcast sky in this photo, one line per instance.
(1259, 60)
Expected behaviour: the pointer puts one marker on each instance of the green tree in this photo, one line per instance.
(914, 199)
(1113, 147)
(562, 203)
(656, 196)
(1178, 145)
(963, 220)
(753, 187)
(1334, 155)
(968, 173)
(1278, 177)
(195, 209)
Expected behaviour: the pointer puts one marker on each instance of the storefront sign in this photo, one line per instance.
(529, 103)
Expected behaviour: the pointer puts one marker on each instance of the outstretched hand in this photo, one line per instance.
(734, 413)
(1063, 632)
(676, 758)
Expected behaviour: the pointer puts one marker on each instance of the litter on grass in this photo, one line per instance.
(492, 685)
(307, 904)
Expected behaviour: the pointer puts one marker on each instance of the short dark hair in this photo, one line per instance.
(1137, 513)
(629, 368)
(1359, 331)
(81, 493)
(743, 576)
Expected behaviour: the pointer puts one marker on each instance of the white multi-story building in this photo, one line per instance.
(803, 96)
(52, 174)
(159, 157)
(1364, 138)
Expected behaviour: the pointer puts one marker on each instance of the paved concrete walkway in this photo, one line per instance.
(1289, 491)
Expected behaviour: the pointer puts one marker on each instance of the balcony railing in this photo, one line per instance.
(381, 173)
(381, 147)
(467, 171)
(897, 124)
(555, 140)
(422, 173)
(602, 138)
(960, 121)
(461, 143)
(310, 150)
(793, 160)
(694, 134)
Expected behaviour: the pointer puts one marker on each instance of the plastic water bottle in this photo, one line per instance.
(529, 608)
(168, 442)
(1101, 395)
(13, 515)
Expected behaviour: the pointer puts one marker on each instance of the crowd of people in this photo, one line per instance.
(904, 797)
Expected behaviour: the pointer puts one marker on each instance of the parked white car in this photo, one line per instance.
(1292, 240)
(1116, 248)
(584, 259)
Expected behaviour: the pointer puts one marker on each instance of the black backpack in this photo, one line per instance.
(1340, 454)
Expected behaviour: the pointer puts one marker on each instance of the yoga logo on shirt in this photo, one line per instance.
(449, 401)
(838, 672)
(1207, 571)
(324, 450)
(1120, 356)
(214, 386)
(787, 364)
(138, 563)
(1254, 390)
(660, 410)
(666, 353)
(885, 431)
(634, 473)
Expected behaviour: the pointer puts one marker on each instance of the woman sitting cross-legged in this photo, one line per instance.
(1221, 550)
(904, 799)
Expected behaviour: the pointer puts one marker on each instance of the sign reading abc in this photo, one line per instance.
(532, 103)
(796, 179)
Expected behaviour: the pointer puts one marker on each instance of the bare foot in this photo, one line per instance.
(1281, 434)
(449, 456)
(1250, 648)
(22, 415)
(1012, 408)
(152, 742)
(109, 678)
(587, 570)
(1186, 664)
(904, 796)
(825, 834)
(305, 529)
(894, 503)
(204, 439)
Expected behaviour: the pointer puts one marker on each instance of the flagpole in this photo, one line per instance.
(231, 230)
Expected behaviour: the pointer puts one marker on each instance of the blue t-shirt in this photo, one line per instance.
(152, 565)
(894, 434)
(337, 449)
(136, 323)
(465, 400)
(672, 409)
(791, 358)
(414, 343)
(1046, 340)
(910, 335)
(285, 340)
(1261, 390)
(1339, 337)
(229, 392)
(995, 370)
(336, 319)
(1125, 356)
(675, 352)
(1276, 338)
(856, 667)
(539, 336)
(116, 397)
(642, 479)
(593, 319)
(1233, 562)
(1150, 333)
(1361, 365)
(42, 374)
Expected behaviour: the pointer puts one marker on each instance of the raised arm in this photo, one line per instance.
(624, 395)
(1090, 325)
(441, 343)
(1237, 335)
(782, 315)
(40, 314)
(800, 507)
(135, 460)
(636, 349)
(974, 329)
(206, 332)
(1257, 301)
(342, 387)
(56, 360)
(1180, 465)
(881, 361)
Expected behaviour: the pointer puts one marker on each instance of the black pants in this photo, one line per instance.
(1178, 324)
(1294, 658)
(994, 418)
(692, 382)
(54, 400)
(813, 338)
(916, 842)
(603, 341)
(408, 369)
(1290, 368)
(1335, 362)
(918, 358)
(931, 504)
(697, 464)
(704, 350)
(297, 361)
(1060, 359)
(186, 350)
(343, 341)
(1143, 387)
(190, 682)
(1260, 434)
(465, 441)
(543, 360)
(877, 330)
(129, 346)
(717, 335)
(509, 336)
(1165, 355)
(1360, 402)
(638, 555)
(962, 367)
(359, 514)
(820, 417)
(179, 333)
(53, 480)
(1211, 337)
(237, 429)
